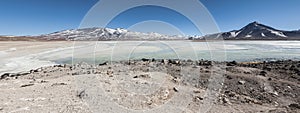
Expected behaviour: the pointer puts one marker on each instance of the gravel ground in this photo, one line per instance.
(154, 85)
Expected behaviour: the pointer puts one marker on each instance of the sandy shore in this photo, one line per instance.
(152, 86)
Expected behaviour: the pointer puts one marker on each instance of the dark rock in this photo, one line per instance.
(267, 68)
(26, 85)
(198, 98)
(225, 100)
(164, 61)
(205, 63)
(103, 64)
(58, 84)
(145, 60)
(142, 76)
(174, 61)
(59, 66)
(175, 89)
(16, 75)
(295, 106)
(5, 75)
(81, 94)
(228, 77)
(153, 60)
(75, 73)
(189, 60)
(231, 94)
(269, 79)
(263, 73)
(247, 72)
(233, 63)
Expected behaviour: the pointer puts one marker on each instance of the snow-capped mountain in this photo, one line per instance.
(256, 31)
(100, 34)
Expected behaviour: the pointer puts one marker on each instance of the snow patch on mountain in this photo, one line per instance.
(99, 34)
(277, 33)
(256, 31)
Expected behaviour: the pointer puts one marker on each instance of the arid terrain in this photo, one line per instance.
(155, 85)
(36, 77)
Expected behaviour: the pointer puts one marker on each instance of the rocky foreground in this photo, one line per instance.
(151, 85)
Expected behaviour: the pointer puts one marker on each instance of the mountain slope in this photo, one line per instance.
(256, 31)
(101, 34)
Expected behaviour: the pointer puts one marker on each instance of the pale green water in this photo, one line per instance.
(97, 52)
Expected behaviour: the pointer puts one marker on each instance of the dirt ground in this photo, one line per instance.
(154, 85)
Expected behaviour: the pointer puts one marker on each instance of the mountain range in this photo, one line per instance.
(104, 34)
(252, 31)
(256, 31)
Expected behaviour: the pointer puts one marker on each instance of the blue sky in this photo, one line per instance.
(33, 17)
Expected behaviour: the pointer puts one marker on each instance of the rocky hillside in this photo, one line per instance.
(257, 31)
(102, 34)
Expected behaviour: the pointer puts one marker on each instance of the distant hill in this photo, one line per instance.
(256, 31)
(103, 34)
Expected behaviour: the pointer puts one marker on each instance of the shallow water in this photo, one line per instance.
(30, 55)
(97, 52)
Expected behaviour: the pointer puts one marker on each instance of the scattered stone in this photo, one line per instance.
(197, 99)
(267, 68)
(242, 82)
(58, 84)
(175, 89)
(269, 79)
(43, 81)
(153, 60)
(142, 76)
(206, 63)
(263, 73)
(233, 63)
(228, 77)
(164, 61)
(5, 75)
(197, 91)
(1, 108)
(246, 72)
(75, 73)
(81, 94)
(27, 85)
(200, 98)
(174, 61)
(103, 64)
(145, 60)
(23, 73)
(231, 94)
(38, 70)
(225, 100)
(110, 73)
(295, 106)
(189, 60)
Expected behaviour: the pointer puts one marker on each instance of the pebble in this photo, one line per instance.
(226, 100)
(242, 82)
(26, 85)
